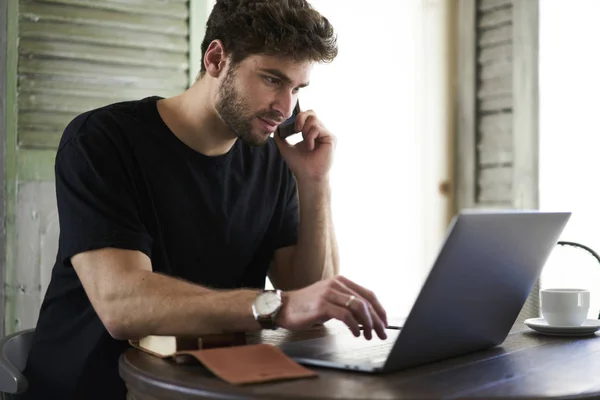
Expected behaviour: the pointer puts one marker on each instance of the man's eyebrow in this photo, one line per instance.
(282, 76)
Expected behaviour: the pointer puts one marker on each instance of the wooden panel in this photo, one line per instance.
(465, 188)
(526, 119)
(36, 165)
(83, 88)
(10, 158)
(488, 5)
(500, 123)
(78, 55)
(495, 149)
(496, 70)
(74, 105)
(495, 185)
(102, 35)
(506, 108)
(494, 102)
(526, 104)
(495, 140)
(146, 7)
(494, 87)
(496, 36)
(496, 17)
(64, 57)
(3, 135)
(495, 54)
(42, 138)
(139, 21)
(37, 224)
(52, 120)
(74, 52)
(97, 73)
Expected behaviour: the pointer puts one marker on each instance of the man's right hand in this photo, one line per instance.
(327, 299)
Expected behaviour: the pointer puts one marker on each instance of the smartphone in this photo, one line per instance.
(287, 127)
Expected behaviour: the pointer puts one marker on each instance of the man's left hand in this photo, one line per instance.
(309, 160)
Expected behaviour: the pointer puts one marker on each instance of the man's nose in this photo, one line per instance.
(285, 105)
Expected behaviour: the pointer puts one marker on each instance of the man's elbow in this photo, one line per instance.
(117, 330)
(116, 321)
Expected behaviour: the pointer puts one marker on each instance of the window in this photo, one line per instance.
(570, 138)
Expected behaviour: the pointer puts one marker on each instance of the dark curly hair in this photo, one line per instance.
(283, 28)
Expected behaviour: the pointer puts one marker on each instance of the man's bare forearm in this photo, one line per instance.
(316, 255)
(145, 303)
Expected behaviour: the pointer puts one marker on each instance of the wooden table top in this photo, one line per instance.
(526, 365)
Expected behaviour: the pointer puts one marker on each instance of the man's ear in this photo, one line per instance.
(215, 58)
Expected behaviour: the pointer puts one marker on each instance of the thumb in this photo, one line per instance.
(282, 144)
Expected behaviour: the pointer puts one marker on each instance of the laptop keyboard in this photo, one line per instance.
(365, 353)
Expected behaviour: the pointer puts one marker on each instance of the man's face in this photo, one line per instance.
(258, 94)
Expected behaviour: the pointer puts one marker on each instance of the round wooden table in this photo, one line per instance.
(526, 365)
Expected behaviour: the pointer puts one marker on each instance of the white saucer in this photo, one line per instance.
(540, 325)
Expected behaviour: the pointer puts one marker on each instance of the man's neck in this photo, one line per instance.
(192, 118)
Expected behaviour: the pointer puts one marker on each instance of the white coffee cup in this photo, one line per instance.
(565, 307)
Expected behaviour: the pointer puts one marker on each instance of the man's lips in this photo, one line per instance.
(269, 124)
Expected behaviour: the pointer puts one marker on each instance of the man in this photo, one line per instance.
(173, 211)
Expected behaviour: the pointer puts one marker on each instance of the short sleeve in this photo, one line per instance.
(97, 204)
(288, 230)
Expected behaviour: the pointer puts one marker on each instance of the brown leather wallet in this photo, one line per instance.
(248, 364)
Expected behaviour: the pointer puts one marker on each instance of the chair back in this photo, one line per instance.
(14, 350)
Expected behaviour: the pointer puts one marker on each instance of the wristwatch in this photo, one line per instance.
(265, 308)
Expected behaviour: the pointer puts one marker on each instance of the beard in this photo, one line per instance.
(233, 109)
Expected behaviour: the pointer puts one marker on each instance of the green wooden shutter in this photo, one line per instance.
(497, 109)
(65, 57)
(75, 55)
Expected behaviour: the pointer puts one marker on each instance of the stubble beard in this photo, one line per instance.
(234, 112)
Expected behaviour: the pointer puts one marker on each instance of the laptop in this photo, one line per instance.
(479, 282)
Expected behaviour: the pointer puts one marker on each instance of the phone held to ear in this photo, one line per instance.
(287, 127)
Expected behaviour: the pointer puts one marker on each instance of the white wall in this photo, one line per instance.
(570, 136)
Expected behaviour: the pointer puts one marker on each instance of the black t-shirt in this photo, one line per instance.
(124, 180)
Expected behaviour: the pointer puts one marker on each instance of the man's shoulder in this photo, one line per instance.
(111, 121)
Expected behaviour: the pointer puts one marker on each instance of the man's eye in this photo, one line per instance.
(272, 81)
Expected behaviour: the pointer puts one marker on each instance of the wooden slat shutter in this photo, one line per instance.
(75, 55)
(494, 102)
(65, 57)
(497, 109)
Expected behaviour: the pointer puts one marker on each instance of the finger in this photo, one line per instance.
(378, 325)
(342, 295)
(357, 307)
(301, 119)
(368, 295)
(311, 136)
(346, 316)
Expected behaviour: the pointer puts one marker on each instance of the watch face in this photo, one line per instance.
(267, 303)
